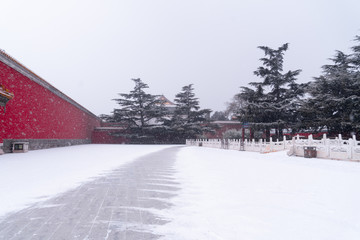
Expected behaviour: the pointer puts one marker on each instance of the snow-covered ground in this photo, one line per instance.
(224, 194)
(39, 175)
(244, 195)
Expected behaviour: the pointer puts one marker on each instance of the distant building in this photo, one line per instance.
(223, 127)
(169, 105)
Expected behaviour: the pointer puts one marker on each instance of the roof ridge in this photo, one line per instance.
(166, 100)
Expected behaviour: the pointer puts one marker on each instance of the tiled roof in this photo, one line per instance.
(166, 101)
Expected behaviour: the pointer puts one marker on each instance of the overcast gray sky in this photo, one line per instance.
(91, 49)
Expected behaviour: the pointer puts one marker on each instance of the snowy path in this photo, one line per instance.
(230, 195)
(120, 205)
(176, 193)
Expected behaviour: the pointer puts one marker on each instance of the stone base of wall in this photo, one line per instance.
(35, 144)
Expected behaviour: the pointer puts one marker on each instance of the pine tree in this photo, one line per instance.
(189, 121)
(355, 62)
(140, 111)
(219, 116)
(335, 95)
(276, 107)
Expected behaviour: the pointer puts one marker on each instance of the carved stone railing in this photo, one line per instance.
(338, 148)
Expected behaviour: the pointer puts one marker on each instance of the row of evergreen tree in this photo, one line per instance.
(147, 120)
(331, 102)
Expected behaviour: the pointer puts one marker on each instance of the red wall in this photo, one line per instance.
(37, 113)
(105, 137)
(223, 127)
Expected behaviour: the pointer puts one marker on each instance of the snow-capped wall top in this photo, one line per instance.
(16, 65)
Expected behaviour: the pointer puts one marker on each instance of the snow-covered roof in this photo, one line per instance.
(227, 122)
(166, 101)
(110, 128)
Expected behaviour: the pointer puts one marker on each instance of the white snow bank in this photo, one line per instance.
(37, 175)
(244, 195)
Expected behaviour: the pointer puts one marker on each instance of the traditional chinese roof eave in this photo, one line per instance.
(6, 94)
(166, 101)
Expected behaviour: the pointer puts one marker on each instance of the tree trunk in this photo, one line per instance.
(281, 134)
(267, 134)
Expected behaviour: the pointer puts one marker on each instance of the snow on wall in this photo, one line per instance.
(40, 112)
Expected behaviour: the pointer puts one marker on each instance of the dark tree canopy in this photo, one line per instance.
(271, 103)
(335, 95)
(141, 112)
(219, 116)
(189, 120)
(331, 101)
(147, 120)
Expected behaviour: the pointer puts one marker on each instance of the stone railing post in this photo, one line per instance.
(293, 147)
(310, 140)
(353, 147)
(350, 148)
(327, 147)
(339, 140)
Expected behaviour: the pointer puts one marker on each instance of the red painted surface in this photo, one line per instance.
(223, 127)
(37, 113)
(105, 137)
